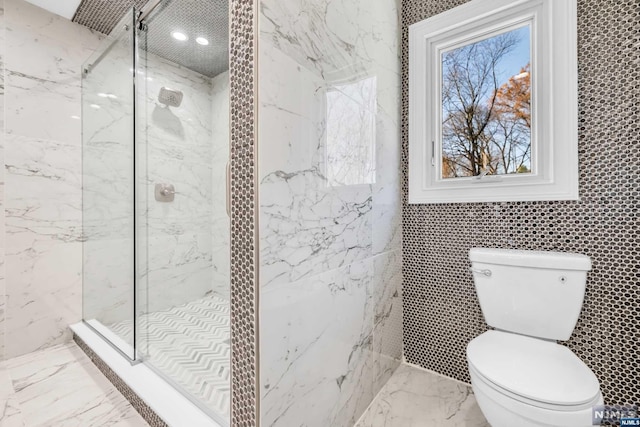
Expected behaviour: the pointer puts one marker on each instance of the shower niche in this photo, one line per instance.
(155, 103)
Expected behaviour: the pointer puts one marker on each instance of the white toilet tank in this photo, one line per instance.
(532, 293)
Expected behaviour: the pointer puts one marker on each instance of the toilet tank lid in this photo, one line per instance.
(537, 259)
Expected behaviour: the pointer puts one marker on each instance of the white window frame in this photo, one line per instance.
(554, 133)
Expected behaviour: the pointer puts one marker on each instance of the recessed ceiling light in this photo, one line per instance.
(75, 117)
(102, 95)
(179, 36)
(95, 106)
(112, 96)
(202, 41)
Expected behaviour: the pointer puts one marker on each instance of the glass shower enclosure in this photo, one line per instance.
(155, 121)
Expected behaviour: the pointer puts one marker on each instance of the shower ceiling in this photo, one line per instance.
(194, 18)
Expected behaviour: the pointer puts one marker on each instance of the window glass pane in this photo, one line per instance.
(486, 106)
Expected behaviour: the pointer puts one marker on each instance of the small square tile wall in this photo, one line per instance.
(441, 311)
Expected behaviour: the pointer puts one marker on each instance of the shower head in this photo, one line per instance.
(170, 97)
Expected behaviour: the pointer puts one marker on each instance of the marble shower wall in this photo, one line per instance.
(42, 151)
(179, 261)
(179, 151)
(220, 227)
(107, 190)
(329, 162)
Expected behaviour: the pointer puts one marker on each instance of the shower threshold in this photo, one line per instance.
(157, 401)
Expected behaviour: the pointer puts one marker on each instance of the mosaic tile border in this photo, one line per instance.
(441, 312)
(245, 388)
(139, 405)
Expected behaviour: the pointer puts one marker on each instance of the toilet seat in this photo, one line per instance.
(534, 371)
(479, 378)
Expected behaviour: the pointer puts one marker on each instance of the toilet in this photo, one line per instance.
(520, 375)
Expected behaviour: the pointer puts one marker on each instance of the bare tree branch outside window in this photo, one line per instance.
(486, 107)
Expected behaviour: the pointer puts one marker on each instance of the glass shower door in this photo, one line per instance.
(183, 123)
(155, 148)
(108, 191)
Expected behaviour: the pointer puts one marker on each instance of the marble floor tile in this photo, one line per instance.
(11, 414)
(417, 398)
(58, 387)
(6, 388)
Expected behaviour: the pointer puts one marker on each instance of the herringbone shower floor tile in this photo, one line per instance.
(190, 345)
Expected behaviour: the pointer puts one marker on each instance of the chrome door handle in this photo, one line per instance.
(485, 272)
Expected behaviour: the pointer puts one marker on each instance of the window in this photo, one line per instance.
(493, 103)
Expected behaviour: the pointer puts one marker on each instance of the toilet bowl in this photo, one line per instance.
(523, 381)
(519, 373)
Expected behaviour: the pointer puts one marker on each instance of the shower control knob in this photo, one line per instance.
(165, 193)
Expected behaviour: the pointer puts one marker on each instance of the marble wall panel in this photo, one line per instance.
(174, 146)
(107, 183)
(43, 242)
(220, 227)
(387, 316)
(329, 164)
(320, 352)
(179, 149)
(43, 55)
(308, 225)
